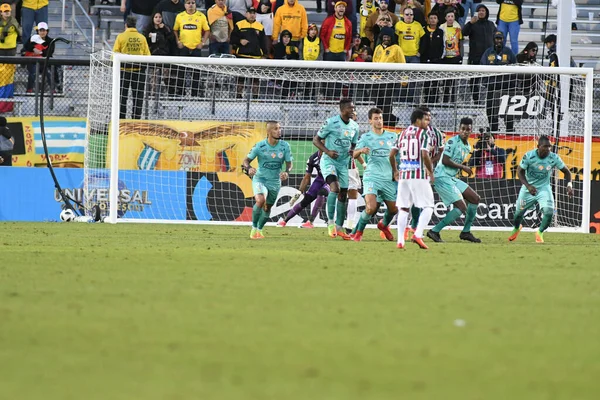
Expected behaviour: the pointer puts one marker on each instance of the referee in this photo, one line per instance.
(134, 43)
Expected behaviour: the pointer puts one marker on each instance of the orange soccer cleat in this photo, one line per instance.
(343, 235)
(357, 237)
(386, 231)
(420, 242)
(515, 233)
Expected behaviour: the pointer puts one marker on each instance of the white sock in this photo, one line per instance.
(351, 213)
(424, 219)
(402, 221)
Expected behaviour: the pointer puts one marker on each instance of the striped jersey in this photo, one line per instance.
(438, 140)
(410, 143)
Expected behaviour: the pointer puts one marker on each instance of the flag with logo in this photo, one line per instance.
(63, 137)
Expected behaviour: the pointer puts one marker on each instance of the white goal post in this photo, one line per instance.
(169, 148)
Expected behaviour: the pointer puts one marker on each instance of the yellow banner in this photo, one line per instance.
(570, 151)
(200, 146)
(65, 138)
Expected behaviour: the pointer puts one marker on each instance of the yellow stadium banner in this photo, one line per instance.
(197, 146)
(65, 139)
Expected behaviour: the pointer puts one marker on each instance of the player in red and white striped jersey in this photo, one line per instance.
(414, 175)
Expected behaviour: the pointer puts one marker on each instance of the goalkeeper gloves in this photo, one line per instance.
(294, 199)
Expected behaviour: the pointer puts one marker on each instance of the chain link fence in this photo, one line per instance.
(67, 88)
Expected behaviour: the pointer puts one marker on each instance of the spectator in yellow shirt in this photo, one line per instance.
(220, 21)
(191, 33)
(291, 17)
(409, 34)
(387, 52)
(191, 30)
(9, 31)
(132, 42)
(32, 13)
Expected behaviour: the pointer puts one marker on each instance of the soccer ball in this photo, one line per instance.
(67, 215)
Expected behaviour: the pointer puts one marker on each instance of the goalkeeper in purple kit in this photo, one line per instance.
(318, 191)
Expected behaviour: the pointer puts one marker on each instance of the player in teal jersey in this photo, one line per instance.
(337, 139)
(438, 140)
(534, 172)
(451, 189)
(378, 178)
(266, 179)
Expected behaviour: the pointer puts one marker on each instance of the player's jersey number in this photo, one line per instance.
(409, 148)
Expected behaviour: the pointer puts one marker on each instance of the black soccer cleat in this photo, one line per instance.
(468, 236)
(435, 236)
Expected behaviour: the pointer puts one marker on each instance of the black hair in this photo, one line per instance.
(416, 115)
(466, 121)
(424, 109)
(374, 110)
(344, 103)
(543, 138)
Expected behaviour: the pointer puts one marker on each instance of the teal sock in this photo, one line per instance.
(362, 222)
(470, 217)
(341, 213)
(415, 213)
(548, 213)
(264, 217)
(387, 218)
(450, 218)
(518, 219)
(256, 213)
(331, 200)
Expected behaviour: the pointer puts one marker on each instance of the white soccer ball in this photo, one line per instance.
(67, 215)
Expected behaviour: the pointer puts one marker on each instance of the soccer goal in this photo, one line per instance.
(167, 135)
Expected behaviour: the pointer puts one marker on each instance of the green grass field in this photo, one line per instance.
(202, 312)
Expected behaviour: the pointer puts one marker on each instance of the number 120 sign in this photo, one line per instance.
(520, 105)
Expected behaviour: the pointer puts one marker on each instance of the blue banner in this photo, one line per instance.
(28, 194)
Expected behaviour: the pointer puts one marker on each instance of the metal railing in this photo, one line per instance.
(76, 5)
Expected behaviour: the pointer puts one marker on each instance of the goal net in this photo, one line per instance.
(167, 135)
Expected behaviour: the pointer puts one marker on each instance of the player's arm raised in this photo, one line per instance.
(523, 179)
(567, 173)
(447, 161)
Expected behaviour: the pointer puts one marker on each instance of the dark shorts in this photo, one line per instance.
(318, 184)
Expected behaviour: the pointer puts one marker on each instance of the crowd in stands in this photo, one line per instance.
(23, 22)
(404, 31)
(424, 31)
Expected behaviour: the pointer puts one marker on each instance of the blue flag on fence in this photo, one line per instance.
(62, 137)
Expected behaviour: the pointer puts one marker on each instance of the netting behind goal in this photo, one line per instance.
(185, 125)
